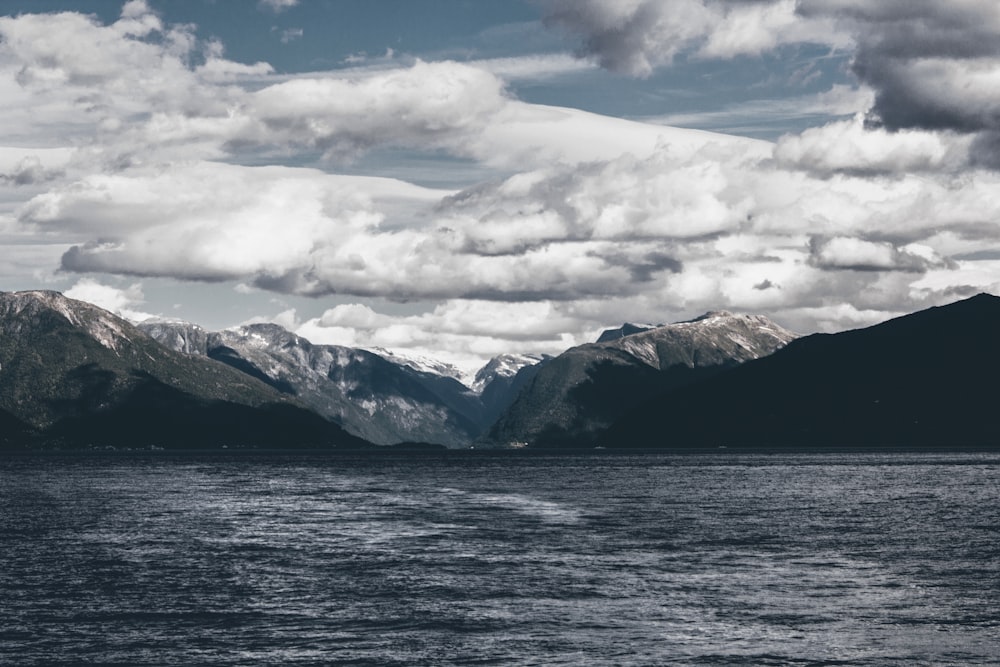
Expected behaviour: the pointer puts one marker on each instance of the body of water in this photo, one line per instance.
(464, 559)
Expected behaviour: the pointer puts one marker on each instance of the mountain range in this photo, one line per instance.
(72, 374)
(577, 395)
(76, 375)
(383, 400)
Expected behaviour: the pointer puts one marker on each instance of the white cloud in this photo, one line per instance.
(120, 301)
(426, 104)
(933, 65)
(848, 146)
(291, 34)
(532, 67)
(861, 255)
(277, 5)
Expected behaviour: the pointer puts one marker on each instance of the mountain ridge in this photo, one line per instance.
(923, 379)
(73, 373)
(582, 391)
(384, 400)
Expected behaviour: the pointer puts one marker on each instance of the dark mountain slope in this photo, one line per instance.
(502, 379)
(575, 396)
(14, 433)
(77, 374)
(372, 397)
(926, 379)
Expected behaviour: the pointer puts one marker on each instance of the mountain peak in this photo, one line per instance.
(713, 314)
(267, 333)
(626, 329)
(502, 366)
(107, 329)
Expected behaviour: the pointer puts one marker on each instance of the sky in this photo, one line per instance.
(464, 178)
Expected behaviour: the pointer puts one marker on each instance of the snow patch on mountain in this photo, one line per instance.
(424, 364)
(99, 324)
(502, 366)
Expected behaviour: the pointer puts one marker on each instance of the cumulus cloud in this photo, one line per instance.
(858, 254)
(636, 37)
(933, 65)
(121, 301)
(28, 171)
(69, 81)
(56, 52)
(850, 146)
(426, 104)
(687, 234)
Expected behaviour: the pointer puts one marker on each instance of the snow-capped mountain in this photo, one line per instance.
(502, 367)
(75, 374)
(626, 329)
(501, 380)
(582, 391)
(422, 364)
(373, 397)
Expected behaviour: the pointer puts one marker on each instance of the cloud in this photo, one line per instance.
(28, 171)
(850, 146)
(210, 221)
(536, 67)
(933, 65)
(291, 34)
(120, 301)
(839, 100)
(857, 254)
(142, 92)
(638, 36)
(67, 50)
(106, 90)
(277, 6)
(681, 232)
(426, 104)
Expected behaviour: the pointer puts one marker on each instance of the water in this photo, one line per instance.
(843, 559)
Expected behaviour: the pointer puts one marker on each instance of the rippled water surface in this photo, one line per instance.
(469, 559)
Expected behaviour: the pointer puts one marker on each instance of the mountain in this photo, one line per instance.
(73, 373)
(502, 379)
(422, 364)
(926, 379)
(380, 400)
(576, 395)
(626, 329)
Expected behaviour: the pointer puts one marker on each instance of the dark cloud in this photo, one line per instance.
(765, 285)
(636, 37)
(643, 269)
(29, 172)
(933, 65)
(985, 150)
